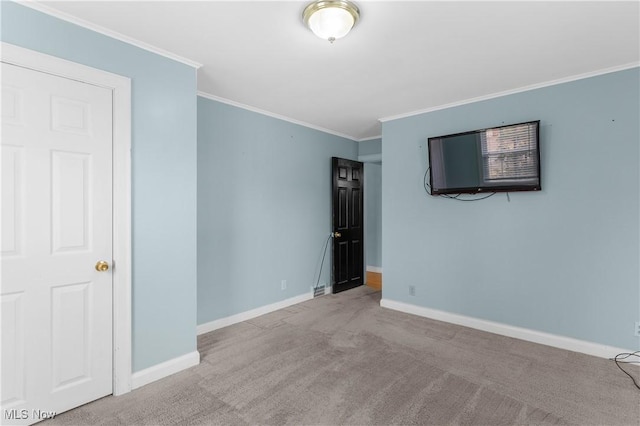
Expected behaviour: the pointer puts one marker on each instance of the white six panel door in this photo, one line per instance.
(56, 308)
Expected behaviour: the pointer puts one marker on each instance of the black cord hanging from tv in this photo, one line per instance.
(427, 188)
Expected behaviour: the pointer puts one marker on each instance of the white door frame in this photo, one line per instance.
(121, 89)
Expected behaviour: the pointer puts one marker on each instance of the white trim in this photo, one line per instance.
(273, 115)
(165, 369)
(370, 138)
(567, 343)
(253, 313)
(36, 5)
(121, 89)
(512, 91)
(376, 269)
(370, 158)
(122, 309)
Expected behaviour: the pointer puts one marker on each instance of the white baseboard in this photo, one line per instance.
(253, 313)
(164, 369)
(568, 343)
(376, 269)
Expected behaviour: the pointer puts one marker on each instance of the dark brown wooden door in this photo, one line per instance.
(348, 250)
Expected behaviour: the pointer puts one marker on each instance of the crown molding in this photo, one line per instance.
(370, 138)
(40, 7)
(273, 115)
(513, 91)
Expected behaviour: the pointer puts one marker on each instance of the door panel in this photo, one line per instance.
(342, 209)
(356, 205)
(56, 224)
(70, 202)
(12, 315)
(356, 261)
(12, 196)
(71, 327)
(347, 224)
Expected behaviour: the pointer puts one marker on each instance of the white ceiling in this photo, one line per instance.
(401, 57)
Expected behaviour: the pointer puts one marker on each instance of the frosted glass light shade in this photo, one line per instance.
(331, 23)
(331, 20)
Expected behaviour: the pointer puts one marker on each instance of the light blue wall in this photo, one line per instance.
(163, 174)
(264, 208)
(373, 213)
(369, 147)
(564, 260)
(373, 202)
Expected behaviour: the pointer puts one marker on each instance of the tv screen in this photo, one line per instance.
(499, 159)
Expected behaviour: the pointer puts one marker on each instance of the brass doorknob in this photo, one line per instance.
(337, 234)
(102, 266)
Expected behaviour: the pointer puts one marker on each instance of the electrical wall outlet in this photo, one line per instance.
(283, 285)
(412, 290)
(637, 329)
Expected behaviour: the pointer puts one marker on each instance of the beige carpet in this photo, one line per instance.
(341, 359)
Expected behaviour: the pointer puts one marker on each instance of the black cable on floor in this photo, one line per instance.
(618, 360)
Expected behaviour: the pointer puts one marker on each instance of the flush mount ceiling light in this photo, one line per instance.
(331, 19)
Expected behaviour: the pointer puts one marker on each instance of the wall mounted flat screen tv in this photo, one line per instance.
(499, 159)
